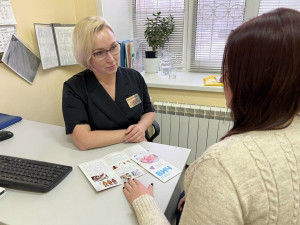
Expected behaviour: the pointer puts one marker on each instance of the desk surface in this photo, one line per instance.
(74, 201)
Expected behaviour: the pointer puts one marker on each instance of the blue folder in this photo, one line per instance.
(8, 120)
(122, 54)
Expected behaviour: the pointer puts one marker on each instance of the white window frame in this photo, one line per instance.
(251, 10)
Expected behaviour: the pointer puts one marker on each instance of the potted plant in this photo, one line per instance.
(157, 33)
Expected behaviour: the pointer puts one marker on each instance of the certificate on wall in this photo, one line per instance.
(5, 35)
(46, 43)
(63, 36)
(55, 44)
(6, 13)
(21, 60)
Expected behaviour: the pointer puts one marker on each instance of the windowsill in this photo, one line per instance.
(183, 81)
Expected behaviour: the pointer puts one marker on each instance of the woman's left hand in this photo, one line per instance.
(134, 189)
(135, 133)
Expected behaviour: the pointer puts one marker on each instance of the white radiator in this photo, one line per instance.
(191, 126)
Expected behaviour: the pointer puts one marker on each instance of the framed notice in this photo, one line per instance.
(55, 44)
(46, 43)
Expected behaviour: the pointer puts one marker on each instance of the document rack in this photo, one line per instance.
(31, 175)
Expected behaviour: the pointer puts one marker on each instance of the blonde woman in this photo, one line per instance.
(104, 104)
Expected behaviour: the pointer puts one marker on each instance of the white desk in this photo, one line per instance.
(74, 201)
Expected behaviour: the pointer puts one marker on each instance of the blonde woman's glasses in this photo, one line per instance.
(114, 50)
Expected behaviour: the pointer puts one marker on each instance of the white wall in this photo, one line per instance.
(118, 13)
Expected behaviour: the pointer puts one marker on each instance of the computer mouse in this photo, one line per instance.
(4, 134)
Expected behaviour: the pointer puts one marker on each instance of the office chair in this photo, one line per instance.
(156, 131)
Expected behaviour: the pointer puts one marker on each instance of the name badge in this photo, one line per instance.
(133, 100)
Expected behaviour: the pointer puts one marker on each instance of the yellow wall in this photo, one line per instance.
(189, 97)
(40, 101)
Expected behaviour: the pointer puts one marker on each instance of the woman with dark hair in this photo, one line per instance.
(252, 176)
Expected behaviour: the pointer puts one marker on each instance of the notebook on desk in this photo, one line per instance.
(8, 120)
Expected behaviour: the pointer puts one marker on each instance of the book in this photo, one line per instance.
(55, 44)
(127, 53)
(122, 54)
(115, 168)
(8, 120)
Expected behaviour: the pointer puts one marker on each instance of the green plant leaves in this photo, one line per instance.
(158, 30)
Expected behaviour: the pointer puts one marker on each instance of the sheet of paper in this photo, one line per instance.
(46, 43)
(5, 35)
(152, 163)
(6, 13)
(122, 165)
(110, 171)
(63, 36)
(99, 174)
(135, 150)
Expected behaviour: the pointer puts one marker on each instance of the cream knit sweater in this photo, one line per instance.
(251, 178)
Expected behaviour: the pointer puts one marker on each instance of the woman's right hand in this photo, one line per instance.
(133, 189)
(135, 133)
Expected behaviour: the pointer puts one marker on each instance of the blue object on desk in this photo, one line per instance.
(8, 120)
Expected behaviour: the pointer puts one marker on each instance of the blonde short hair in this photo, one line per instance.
(83, 38)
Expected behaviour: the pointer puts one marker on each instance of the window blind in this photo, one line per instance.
(267, 5)
(145, 8)
(212, 22)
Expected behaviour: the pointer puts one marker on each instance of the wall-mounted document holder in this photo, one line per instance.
(55, 44)
(21, 59)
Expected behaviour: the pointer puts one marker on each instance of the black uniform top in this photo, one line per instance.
(85, 101)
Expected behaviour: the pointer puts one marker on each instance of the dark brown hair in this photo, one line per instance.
(261, 65)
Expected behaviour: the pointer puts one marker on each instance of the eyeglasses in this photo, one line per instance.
(114, 50)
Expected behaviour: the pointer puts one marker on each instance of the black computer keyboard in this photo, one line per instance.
(31, 175)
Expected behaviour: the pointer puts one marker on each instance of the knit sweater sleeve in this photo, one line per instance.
(148, 212)
(211, 197)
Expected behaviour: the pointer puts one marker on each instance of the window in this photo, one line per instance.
(145, 8)
(267, 5)
(202, 26)
(211, 24)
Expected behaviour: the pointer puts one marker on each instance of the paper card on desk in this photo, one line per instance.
(158, 167)
(8, 120)
(110, 171)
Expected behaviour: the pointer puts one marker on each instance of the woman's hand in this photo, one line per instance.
(135, 133)
(134, 189)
